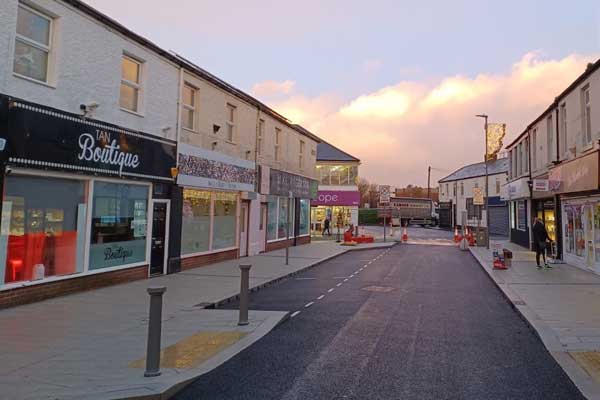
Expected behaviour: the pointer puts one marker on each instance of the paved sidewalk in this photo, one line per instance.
(92, 345)
(562, 304)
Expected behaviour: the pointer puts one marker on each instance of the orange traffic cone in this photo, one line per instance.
(405, 235)
(456, 238)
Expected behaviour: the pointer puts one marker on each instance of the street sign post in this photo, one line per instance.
(384, 200)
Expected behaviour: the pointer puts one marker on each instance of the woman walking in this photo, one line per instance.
(540, 242)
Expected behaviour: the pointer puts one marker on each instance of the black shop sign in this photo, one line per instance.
(46, 138)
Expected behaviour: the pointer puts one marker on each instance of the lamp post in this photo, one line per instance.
(487, 208)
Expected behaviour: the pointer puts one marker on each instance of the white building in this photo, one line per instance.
(457, 193)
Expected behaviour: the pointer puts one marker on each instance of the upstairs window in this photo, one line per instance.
(260, 136)
(550, 133)
(586, 115)
(131, 71)
(188, 107)
(563, 129)
(301, 155)
(277, 144)
(534, 149)
(230, 122)
(32, 44)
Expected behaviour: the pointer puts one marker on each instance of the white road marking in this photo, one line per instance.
(338, 285)
(330, 290)
(309, 304)
(320, 297)
(294, 314)
(346, 280)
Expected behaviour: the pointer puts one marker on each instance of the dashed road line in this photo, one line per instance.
(330, 290)
(346, 280)
(309, 304)
(338, 285)
(320, 297)
(294, 314)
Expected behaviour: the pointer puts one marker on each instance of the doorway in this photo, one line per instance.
(244, 229)
(160, 237)
(262, 227)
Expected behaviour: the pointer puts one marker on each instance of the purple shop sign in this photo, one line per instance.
(337, 198)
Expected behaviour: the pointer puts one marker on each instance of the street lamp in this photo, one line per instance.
(487, 208)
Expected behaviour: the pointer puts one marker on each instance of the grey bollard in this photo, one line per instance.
(154, 331)
(244, 288)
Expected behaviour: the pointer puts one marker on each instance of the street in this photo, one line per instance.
(412, 322)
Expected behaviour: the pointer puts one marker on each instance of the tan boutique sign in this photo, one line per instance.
(577, 175)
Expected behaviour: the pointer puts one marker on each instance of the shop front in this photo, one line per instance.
(214, 212)
(577, 183)
(288, 209)
(518, 195)
(79, 203)
(339, 207)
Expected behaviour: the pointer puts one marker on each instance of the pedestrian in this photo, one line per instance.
(326, 227)
(540, 242)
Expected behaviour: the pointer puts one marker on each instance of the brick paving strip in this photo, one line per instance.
(560, 304)
(92, 345)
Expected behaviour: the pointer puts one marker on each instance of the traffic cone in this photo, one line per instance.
(405, 235)
(456, 238)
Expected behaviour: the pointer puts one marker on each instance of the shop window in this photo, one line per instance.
(282, 220)
(42, 228)
(304, 217)
(119, 225)
(273, 209)
(224, 225)
(195, 232)
(32, 44)
(569, 230)
(353, 179)
(521, 216)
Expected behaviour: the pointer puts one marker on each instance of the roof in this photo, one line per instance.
(328, 152)
(184, 63)
(475, 170)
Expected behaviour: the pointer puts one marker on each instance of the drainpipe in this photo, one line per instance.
(258, 110)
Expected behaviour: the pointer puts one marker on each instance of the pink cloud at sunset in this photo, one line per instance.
(398, 130)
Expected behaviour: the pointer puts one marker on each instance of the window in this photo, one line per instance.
(272, 212)
(353, 175)
(520, 159)
(550, 144)
(521, 215)
(526, 155)
(563, 129)
(130, 84)
(462, 189)
(32, 44)
(282, 225)
(260, 136)
(586, 115)
(325, 175)
(119, 221)
(473, 211)
(534, 150)
(304, 217)
(230, 122)
(447, 190)
(498, 184)
(209, 221)
(454, 190)
(224, 224)
(43, 228)
(301, 155)
(188, 107)
(277, 144)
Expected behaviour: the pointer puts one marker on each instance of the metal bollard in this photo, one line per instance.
(154, 331)
(245, 283)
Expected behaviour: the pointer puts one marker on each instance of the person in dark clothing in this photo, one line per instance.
(540, 242)
(326, 227)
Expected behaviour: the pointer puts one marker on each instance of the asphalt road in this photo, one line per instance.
(418, 322)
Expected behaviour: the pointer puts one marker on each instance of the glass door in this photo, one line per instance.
(588, 227)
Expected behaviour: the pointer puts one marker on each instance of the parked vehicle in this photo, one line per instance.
(413, 211)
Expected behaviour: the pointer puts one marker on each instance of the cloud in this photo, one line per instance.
(399, 130)
(268, 89)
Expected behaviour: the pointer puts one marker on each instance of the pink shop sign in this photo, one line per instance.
(337, 198)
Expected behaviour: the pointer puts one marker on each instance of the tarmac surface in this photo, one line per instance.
(411, 322)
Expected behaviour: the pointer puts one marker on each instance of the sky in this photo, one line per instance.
(394, 83)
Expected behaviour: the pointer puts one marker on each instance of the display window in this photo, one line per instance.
(119, 224)
(338, 216)
(209, 221)
(581, 239)
(43, 229)
(277, 217)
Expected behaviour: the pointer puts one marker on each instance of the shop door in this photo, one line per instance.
(244, 230)
(589, 236)
(263, 227)
(160, 222)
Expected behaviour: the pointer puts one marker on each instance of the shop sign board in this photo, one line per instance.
(384, 194)
(541, 185)
(283, 183)
(478, 198)
(518, 189)
(46, 138)
(577, 175)
(203, 168)
(337, 198)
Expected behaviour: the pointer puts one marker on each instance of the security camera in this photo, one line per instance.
(92, 105)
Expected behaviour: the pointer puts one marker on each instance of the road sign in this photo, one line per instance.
(384, 194)
(478, 196)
